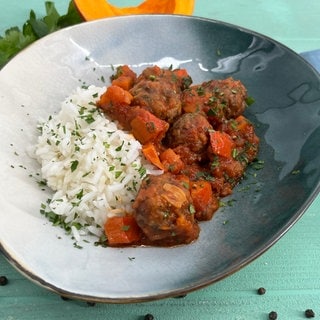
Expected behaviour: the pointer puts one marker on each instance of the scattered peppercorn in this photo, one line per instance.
(273, 315)
(149, 316)
(309, 313)
(261, 291)
(3, 280)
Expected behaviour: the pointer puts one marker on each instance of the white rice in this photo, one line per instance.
(94, 169)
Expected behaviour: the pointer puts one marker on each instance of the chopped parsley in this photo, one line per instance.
(200, 91)
(249, 101)
(142, 171)
(117, 174)
(120, 147)
(257, 164)
(15, 39)
(125, 228)
(74, 165)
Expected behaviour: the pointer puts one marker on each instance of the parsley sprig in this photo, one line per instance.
(15, 38)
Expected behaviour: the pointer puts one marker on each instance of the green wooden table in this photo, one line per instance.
(289, 271)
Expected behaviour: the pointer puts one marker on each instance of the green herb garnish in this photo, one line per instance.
(249, 101)
(74, 165)
(15, 39)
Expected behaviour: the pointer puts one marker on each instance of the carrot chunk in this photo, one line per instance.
(150, 152)
(146, 127)
(122, 230)
(242, 123)
(221, 144)
(115, 102)
(201, 194)
(124, 82)
(115, 95)
(171, 161)
(124, 78)
(181, 73)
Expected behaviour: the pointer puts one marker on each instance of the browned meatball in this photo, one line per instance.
(226, 173)
(158, 90)
(163, 210)
(189, 136)
(218, 99)
(191, 130)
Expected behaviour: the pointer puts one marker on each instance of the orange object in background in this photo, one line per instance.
(91, 10)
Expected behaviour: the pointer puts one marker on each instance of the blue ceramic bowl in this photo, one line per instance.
(273, 196)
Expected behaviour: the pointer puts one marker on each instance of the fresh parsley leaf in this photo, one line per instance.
(15, 39)
(71, 18)
(250, 101)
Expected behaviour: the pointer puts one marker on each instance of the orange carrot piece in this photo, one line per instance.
(115, 102)
(124, 70)
(115, 95)
(201, 194)
(146, 127)
(181, 73)
(221, 144)
(151, 154)
(122, 230)
(124, 82)
(124, 77)
(171, 161)
(242, 123)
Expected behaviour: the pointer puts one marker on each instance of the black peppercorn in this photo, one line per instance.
(149, 316)
(273, 315)
(261, 291)
(3, 280)
(309, 313)
(91, 304)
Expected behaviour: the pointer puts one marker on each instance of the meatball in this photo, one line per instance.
(163, 210)
(218, 99)
(227, 173)
(189, 137)
(158, 91)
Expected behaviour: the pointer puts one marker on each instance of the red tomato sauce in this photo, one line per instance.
(197, 134)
